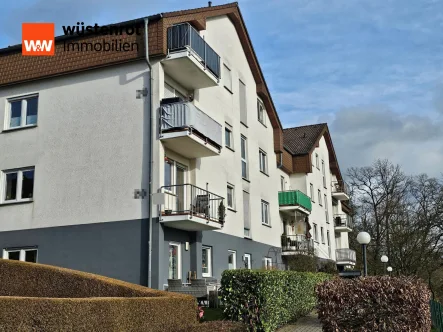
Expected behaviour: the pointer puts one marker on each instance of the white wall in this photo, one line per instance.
(87, 149)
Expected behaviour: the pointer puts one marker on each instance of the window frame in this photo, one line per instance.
(311, 187)
(249, 266)
(261, 110)
(265, 262)
(319, 197)
(22, 253)
(322, 234)
(317, 163)
(244, 160)
(209, 258)
(19, 185)
(282, 183)
(265, 213)
(228, 129)
(324, 173)
(263, 161)
(23, 112)
(227, 72)
(326, 208)
(232, 187)
(179, 258)
(234, 253)
(315, 233)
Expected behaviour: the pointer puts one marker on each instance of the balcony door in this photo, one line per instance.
(180, 181)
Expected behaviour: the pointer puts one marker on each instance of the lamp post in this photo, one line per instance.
(389, 270)
(384, 260)
(364, 238)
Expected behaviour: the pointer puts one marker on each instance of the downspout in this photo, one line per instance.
(151, 152)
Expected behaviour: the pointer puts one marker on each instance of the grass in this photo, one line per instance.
(212, 314)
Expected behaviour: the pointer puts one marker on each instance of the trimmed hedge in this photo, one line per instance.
(266, 300)
(36, 297)
(374, 304)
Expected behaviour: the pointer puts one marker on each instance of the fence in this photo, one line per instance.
(437, 315)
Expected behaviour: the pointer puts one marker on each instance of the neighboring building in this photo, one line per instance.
(89, 137)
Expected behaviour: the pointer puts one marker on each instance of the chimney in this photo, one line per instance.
(209, 3)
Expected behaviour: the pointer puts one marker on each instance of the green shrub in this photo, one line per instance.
(374, 304)
(266, 300)
(302, 263)
(217, 326)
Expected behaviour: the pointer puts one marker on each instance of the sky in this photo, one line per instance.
(371, 69)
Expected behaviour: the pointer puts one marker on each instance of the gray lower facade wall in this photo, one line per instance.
(113, 249)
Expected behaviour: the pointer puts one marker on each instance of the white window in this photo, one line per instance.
(323, 171)
(263, 161)
(282, 183)
(265, 213)
(319, 197)
(244, 157)
(228, 137)
(261, 111)
(316, 161)
(267, 262)
(322, 235)
(206, 261)
(230, 196)
(169, 165)
(232, 259)
(18, 185)
(243, 105)
(311, 187)
(247, 261)
(315, 233)
(21, 254)
(171, 92)
(329, 243)
(174, 268)
(227, 78)
(246, 216)
(21, 112)
(326, 208)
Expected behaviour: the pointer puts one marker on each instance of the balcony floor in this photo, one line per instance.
(342, 229)
(341, 196)
(188, 222)
(345, 262)
(188, 144)
(291, 208)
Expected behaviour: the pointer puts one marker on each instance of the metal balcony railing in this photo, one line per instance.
(294, 197)
(186, 115)
(339, 187)
(343, 220)
(297, 242)
(345, 255)
(187, 199)
(182, 36)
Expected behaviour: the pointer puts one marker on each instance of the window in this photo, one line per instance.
(228, 137)
(316, 161)
(261, 111)
(19, 185)
(227, 78)
(206, 262)
(168, 174)
(21, 112)
(247, 261)
(312, 192)
(243, 105)
(326, 208)
(232, 259)
(322, 235)
(244, 158)
(230, 198)
(21, 254)
(171, 92)
(329, 243)
(174, 270)
(246, 217)
(315, 233)
(263, 161)
(265, 213)
(323, 172)
(319, 198)
(267, 263)
(282, 183)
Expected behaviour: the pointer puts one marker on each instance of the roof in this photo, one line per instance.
(301, 140)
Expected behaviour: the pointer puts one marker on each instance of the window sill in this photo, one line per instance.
(229, 148)
(244, 124)
(264, 173)
(231, 209)
(18, 128)
(17, 202)
(247, 238)
(227, 89)
(263, 124)
(263, 224)
(245, 179)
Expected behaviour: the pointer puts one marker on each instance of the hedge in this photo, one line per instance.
(36, 297)
(374, 304)
(266, 300)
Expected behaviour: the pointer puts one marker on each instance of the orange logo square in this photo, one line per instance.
(38, 39)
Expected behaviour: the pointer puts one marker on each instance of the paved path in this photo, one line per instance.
(309, 323)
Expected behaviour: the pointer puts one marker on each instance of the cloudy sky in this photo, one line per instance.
(371, 69)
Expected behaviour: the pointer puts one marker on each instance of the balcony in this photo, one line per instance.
(294, 200)
(345, 257)
(191, 208)
(340, 190)
(187, 130)
(296, 244)
(343, 223)
(190, 60)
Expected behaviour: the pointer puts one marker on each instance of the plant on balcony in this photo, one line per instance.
(221, 212)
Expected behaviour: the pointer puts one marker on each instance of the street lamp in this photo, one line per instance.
(364, 238)
(384, 260)
(389, 270)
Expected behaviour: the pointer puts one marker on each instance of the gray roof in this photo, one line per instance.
(301, 140)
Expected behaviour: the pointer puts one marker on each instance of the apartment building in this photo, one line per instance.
(159, 162)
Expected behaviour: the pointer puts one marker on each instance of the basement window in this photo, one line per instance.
(21, 254)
